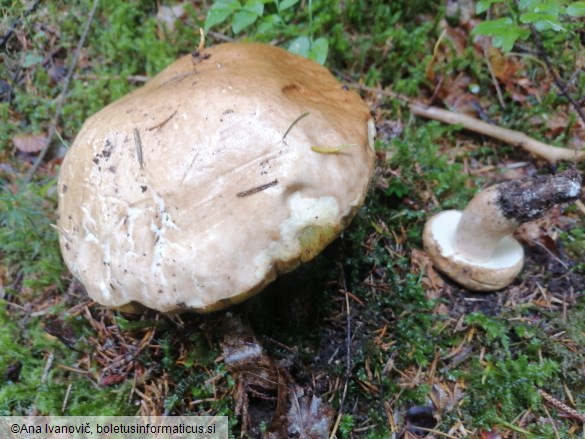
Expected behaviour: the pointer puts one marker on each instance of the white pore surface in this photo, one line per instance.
(507, 252)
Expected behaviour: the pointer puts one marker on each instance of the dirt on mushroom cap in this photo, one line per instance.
(186, 195)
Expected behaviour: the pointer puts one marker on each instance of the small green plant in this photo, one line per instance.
(543, 15)
(346, 425)
(502, 387)
(574, 241)
(494, 330)
(243, 15)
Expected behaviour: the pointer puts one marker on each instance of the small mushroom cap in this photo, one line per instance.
(198, 189)
(495, 274)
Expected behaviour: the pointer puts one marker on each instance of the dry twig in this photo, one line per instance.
(494, 78)
(562, 406)
(550, 153)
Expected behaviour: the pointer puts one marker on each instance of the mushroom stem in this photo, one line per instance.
(482, 226)
(496, 211)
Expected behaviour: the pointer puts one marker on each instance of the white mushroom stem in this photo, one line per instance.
(498, 210)
(482, 226)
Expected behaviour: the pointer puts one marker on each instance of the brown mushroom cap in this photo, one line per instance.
(186, 194)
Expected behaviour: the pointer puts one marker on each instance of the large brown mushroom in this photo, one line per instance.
(229, 167)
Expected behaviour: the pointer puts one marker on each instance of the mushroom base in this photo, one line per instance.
(495, 274)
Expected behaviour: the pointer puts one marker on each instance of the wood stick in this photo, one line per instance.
(550, 153)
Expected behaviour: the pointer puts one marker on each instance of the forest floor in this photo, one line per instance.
(389, 346)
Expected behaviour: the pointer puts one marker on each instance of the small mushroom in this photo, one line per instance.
(475, 247)
(228, 168)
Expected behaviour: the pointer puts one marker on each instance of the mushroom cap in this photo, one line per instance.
(495, 274)
(198, 189)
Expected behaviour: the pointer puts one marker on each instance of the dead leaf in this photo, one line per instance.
(62, 331)
(110, 380)
(308, 417)
(446, 396)
(463, 10)
(441, 310)
(29, 143)
(260, 378)
(57, 70)
(167, 16)
(13, 371)
(489, 435)
(5, 91)
(256, 374)
(387, 129)
(421, 263)
(507, 69)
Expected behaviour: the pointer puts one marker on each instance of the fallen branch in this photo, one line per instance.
(550, 153)
(61, 98)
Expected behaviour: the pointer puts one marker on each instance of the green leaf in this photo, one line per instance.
(503, 31)
(300, 46)
(30, 59)
(549, 25)
(533, 17)
(507, 41)
(319, 49)
(576, 9)
(219, 12)
(242, 19)
(484, 5)
(549, 8)
(543, 15)
(268, 23)
(529, 17)
(286, 4)
(493, 27)
(255, 6)
(222, 4)
(528, 5)
(543, 25)
(542, 21)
